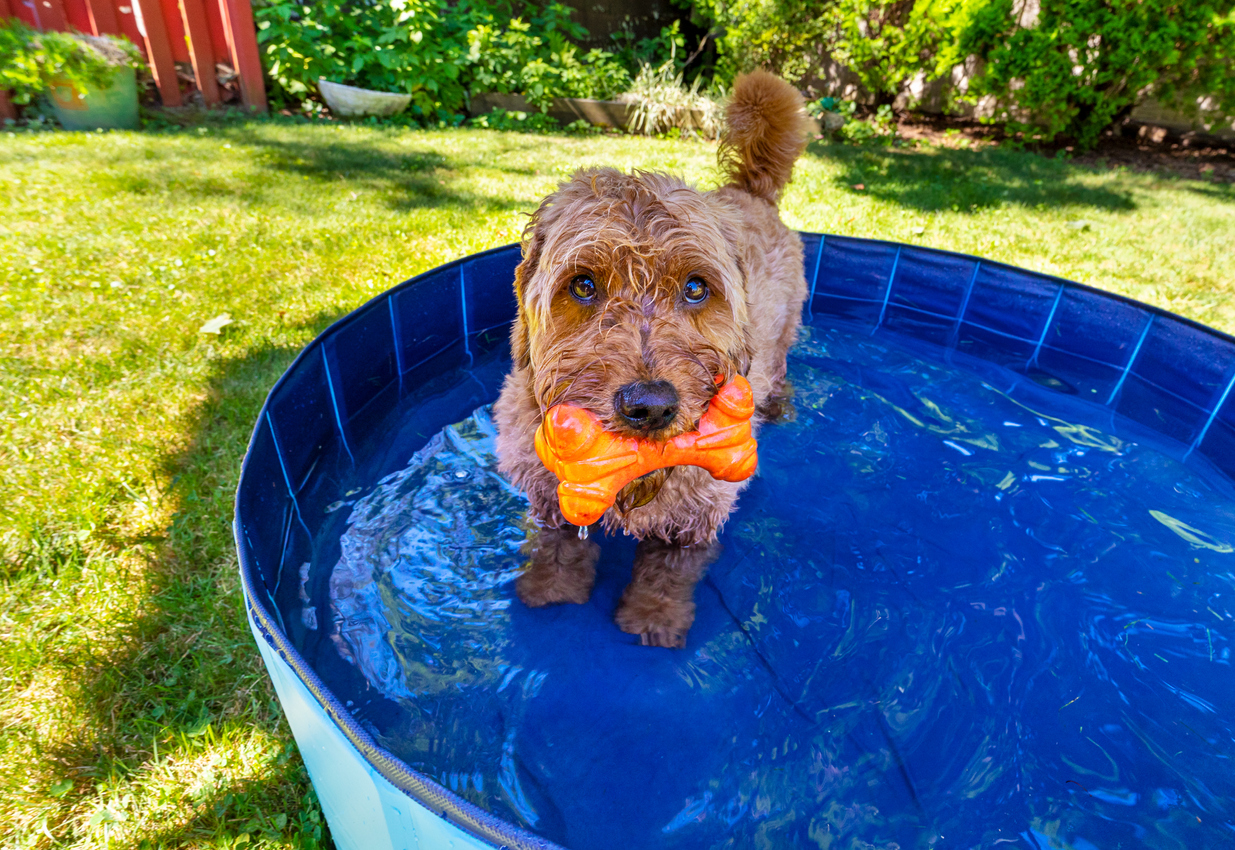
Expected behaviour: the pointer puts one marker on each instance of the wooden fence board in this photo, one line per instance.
(218, 32)
(242, 38)
(102, 17)
(126, 22)
(201, 51)
(175, 29)
(77, 15)
(159, 51)
(49, 15)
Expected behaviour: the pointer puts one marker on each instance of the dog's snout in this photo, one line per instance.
(647, 405)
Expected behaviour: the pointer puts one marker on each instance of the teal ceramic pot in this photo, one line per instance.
(112, 108)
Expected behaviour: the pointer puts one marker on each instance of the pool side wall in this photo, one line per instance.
(363, 808)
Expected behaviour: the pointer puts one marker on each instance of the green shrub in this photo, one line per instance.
(538, 59)
(413, 46)
(438, 51)
(882, 41)
(1085, 63)
(30, 60)
(777, 34)
(669, 46)
(1079, 66)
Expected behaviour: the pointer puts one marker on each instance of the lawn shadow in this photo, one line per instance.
(1222, 192)
(405, 177)
(176, 685)
(966, 181)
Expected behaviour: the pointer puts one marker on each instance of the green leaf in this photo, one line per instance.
(59, 789)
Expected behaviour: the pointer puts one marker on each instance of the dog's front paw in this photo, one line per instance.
(562, 569)
(668, 638)
(658, 621)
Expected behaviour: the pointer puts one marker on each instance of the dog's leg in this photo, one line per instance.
(562, 569)
(659, 604)
(778, 407)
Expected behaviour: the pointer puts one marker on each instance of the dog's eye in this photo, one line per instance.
(695, 291)
(583, 289)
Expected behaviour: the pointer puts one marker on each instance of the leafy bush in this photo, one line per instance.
(1075, 68)
(879, 40)
(778, 34)
(538, 59)
(413, 46)
(879, 128)
(1085, 63)
(668, 46)
(438, 51)
(30, 60)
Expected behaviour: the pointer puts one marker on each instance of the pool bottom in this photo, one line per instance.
(944, 616)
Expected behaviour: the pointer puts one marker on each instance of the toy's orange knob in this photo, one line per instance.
(735, 399)
(570, 436)
(593, 465)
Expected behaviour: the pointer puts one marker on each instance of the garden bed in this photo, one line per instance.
(1137, 147)
(565, 110)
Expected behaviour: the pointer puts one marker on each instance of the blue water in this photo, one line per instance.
(954, 609)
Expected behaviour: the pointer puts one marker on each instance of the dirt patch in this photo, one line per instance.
(1132, 146)
(1185, 157)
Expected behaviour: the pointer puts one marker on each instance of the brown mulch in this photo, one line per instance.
(1132, 146)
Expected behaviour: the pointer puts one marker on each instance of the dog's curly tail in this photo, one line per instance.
(765, 132)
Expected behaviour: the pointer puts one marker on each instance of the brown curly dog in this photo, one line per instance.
(635, 292)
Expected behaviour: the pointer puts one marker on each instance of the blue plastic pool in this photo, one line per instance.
(979, 593)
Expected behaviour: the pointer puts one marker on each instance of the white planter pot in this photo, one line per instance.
(351, 101)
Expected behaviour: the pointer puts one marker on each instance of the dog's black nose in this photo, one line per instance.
(647, 405)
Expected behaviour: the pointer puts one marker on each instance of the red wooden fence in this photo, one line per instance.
(202, 33)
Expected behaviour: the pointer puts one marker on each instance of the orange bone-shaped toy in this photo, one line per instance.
(593, 465)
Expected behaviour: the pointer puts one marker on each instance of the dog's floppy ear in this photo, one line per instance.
(747, 352)
(542, 221)
(520, 345)
(520, 341)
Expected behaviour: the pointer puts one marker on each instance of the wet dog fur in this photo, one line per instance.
(609, 299)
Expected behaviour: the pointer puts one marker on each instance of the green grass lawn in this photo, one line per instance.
(134, 711)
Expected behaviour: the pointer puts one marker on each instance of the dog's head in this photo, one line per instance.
(632, 301)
